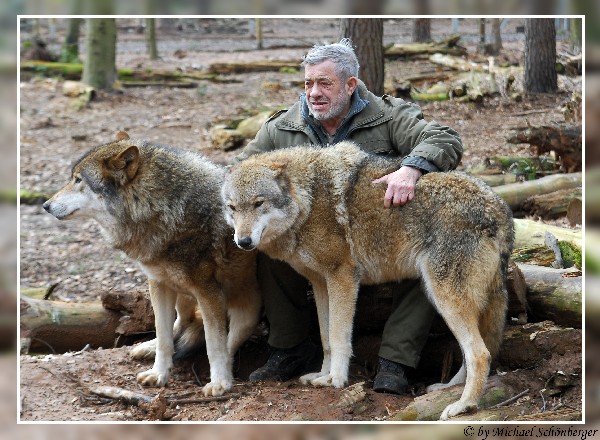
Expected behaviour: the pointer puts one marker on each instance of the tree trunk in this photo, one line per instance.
(99, 70)
(421, 30)
(367, 36)
(496, 45)
(70, 49)
(540, 56)
(151, 38)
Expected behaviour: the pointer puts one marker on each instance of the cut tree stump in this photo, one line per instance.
(564, 140)
(514, 194)
(57, 326)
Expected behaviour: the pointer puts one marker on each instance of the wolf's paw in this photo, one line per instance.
(457, 408)
(153, 378)
(436, 387)
(145, 350)
(308, 378)
(215, 389)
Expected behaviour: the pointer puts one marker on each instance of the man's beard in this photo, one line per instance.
(335, 110)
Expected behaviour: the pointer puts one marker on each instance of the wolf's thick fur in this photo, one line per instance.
(162, 207)
(318, 210)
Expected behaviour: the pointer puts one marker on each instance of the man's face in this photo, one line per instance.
(327, 96)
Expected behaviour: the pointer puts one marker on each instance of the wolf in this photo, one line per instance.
(162, 207)
(318, 210)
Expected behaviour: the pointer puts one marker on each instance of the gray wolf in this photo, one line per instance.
(162, 207)
(318, 210)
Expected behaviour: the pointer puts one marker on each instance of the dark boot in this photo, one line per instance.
(285, 363)
(390, 378)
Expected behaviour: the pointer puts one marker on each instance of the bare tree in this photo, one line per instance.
(151, 38)
(421, 30)
(496, 45)
(70, 48)
(367, 36)
(99, 69)
(540, 56)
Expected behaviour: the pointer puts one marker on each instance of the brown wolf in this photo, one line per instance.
(318, 210)
(162, 207)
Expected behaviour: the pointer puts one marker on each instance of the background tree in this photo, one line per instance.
(151, 38)
(496, 45)
(421, 30)
(99, 69)
(540, 56)
(367, 37)
(70, 48)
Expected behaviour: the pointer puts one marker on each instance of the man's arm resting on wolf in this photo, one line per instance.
(436, 148)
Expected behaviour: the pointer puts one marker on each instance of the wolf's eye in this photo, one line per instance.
(258, 203)
(77, 179)
(230, 206)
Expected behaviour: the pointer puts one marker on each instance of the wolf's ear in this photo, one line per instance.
(280, 173)
(125, 164)
(122, 135)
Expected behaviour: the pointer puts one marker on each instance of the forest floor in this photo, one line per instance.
(54, 132)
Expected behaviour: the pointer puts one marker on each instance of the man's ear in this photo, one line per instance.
(351, 85)
(125, 163)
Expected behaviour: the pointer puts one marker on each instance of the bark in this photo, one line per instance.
(575, 211)
(496, 46)
(61, 326)
(553, 205)
(554, 294)
(515, 194)
(517, 293)
(448, 46)
(99, 70)
(151, 38)
(367, 37)
(540, 56)
(421, 30)
(70, 49)
(564, 140)
(430, 406)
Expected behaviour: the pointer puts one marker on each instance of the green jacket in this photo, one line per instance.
(387, 125)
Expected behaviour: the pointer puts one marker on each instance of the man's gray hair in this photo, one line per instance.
(342, 54)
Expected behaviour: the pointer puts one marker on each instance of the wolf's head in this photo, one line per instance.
(259, 202)
(95, 179)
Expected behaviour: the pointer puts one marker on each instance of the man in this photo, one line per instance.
(336, 106)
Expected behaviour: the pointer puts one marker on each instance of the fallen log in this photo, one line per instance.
(514, 194)
(447, 46)
(564, 140)
(256, 66)
(430, 406)
(497, 179)
(553, 294)
(529, 233)
(575, 211)
(61, 326)
(553, 205)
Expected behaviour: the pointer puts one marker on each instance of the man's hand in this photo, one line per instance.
(400, 186)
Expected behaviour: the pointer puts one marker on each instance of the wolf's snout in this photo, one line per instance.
(46, 206)
(245, 243)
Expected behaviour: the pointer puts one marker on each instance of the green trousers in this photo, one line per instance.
(289, 313)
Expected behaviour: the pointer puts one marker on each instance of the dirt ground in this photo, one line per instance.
(54, 132)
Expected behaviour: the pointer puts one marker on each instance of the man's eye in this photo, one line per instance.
(231, 207)
(258, 203)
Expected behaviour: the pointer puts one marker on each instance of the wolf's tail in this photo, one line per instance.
(493, 316)
(191, 338)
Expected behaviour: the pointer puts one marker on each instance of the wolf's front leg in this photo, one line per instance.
(214, 313)
(163, 303)
(342, 290)
(322, 303)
